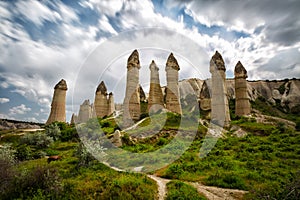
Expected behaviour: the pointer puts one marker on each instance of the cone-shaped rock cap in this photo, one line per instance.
(133, 60)
(86, 102)
(218, 61)
(172, 62)
(101, 88)
(239, 69)
(153, 66)
(62, 85)
(110, 94)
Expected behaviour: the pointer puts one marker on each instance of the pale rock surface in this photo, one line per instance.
(101, 103)
(172, 90)
(242, 103)
(131, 103)
(155, 99)
(219, 102)
(58, 105)
(85, 112)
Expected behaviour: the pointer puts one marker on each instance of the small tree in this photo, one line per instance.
(53, 131)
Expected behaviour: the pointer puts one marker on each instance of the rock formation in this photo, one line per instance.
(155, 99)
(242, 103)
(111, 104)
(205, 100)
(219, 102)
(142, 94)
(58, 105)
(85, 112)
(172, 91)
(131, 106)
(116, 139)
(101, 104)
(74, 119)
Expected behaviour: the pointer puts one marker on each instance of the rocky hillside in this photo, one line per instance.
(285, 93)
(6, 124)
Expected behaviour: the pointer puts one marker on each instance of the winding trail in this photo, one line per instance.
(210, 192)
(162, 186)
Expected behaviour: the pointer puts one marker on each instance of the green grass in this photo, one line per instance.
(180, 190)
(256, 161)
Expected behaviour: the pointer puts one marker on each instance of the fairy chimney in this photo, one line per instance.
(85, 112)
(242, 103)
(111, 104)
(219, 102)
(58, 105)
(100, 103)
(172, 90)
(131, 106)
(155, 99)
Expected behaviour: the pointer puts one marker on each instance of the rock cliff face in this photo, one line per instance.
(58, 105)
(284, 92)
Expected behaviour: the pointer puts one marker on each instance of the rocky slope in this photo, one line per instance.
(285, 93)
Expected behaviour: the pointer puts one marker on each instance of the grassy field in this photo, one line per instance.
(265, 162)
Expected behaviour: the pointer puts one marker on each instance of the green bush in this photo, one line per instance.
(42, 181)
(226, 180)
(53, 131)
(38, 139)
(69, 134)
(23, 152)
(7, 153)
(180, 190)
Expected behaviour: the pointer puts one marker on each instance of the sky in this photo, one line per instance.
(85, 42)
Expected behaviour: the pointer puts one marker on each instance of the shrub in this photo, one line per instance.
(7, 174)
(7, 153)
(226, 180)
(180, 190)
(69, 134)
(38, 139)
(53, 131)
(23, 152)
(44, 179)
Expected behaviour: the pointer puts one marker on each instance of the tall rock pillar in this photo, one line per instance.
(58, 105)
(111, 104)
(100, 103)
(242, 103)
(155, 99)
(85, 112)
(172, 90)
(219, 102)
(131, 106)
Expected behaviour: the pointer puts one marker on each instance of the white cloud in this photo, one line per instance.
(4, 100)
(5, 116)
(105, 7)
(36, 12)
(19, 110)
(106, 26)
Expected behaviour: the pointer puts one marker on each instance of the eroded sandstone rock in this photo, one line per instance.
(242, 103)
(172, 89)
(58, 105)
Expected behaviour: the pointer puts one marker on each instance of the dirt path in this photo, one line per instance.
(211, 193)
(162, 188)
(215, 193)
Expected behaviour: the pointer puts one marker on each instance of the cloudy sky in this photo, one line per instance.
(85, 42)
